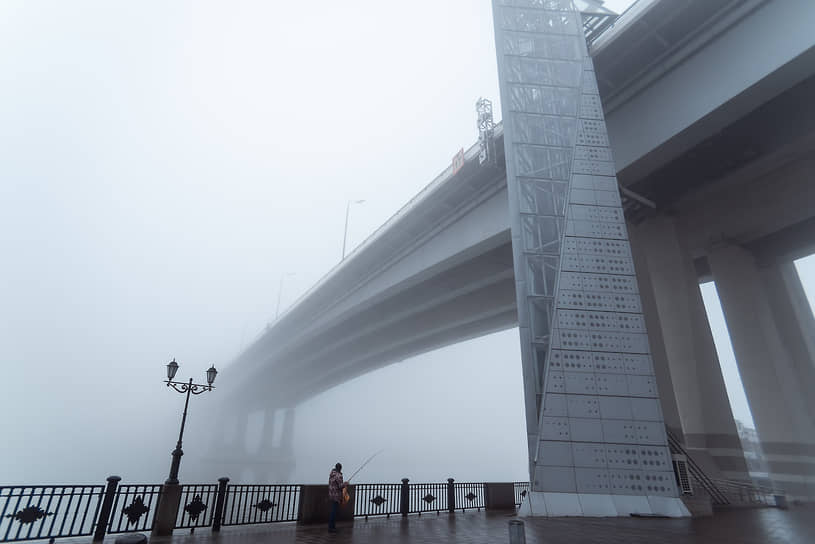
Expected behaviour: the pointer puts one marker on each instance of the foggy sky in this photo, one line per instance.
(162, 165)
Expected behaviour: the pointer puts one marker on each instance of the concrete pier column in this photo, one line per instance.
(287, 437)
(267, 442)
(779, 398)
(285, 468)
(795, 323)
(710, 432)
(276, 452)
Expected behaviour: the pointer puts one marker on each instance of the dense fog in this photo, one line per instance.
(163, 165)
(166, 167)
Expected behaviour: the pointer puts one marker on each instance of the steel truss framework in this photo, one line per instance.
(594, 420)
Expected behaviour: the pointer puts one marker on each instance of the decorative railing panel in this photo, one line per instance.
(197, 506)
(247, 504)
(469, 495)
(134, 508)
(377, 499)
(45, 512)
(427, 498)
(521, 491)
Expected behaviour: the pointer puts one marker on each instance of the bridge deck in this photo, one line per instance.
(746, 526)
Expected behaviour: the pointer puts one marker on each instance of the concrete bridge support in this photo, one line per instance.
(708, 426)
(795, 322)
(766, 319)
(275, 456)
(250, 444)
(262, 451)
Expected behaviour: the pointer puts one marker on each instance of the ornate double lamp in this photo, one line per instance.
(186, 388)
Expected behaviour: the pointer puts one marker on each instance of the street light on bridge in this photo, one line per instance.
(184, 388)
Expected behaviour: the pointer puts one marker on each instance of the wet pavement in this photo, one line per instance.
(744, 526)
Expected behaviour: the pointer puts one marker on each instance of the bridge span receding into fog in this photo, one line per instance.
(709, 115)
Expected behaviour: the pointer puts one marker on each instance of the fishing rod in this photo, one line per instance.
(345, 496)
(365, 463)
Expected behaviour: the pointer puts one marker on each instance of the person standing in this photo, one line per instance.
(335, 487)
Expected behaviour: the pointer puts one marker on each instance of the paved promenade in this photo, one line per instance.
(752, 526)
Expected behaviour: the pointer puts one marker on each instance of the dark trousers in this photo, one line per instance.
(333, 516)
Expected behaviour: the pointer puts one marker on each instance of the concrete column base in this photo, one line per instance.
(544, 504)
(167, 510)
(316, 508)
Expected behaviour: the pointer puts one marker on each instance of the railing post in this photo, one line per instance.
(451, 495)
(219, 504)
(107, 506)
(405, 503)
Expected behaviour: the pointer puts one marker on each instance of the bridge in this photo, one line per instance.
(708, 111)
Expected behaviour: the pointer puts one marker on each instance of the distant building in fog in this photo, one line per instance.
(756, 462)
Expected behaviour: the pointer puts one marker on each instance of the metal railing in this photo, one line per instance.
(427, 498)
(50, 512)
(377, 499)
(249, 504)
(134, 508)
(521, 491)
(725, 492)
(469, 495)
(716, 496)
(46, 512)
(745, 493)
(198, 508)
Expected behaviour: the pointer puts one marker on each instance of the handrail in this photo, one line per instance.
(716, 495)
(754, 493)
(722, 491)
(741, 483)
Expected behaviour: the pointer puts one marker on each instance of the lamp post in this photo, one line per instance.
(184, 388)
(345, 232)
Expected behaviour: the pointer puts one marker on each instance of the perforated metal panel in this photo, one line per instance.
(591, 107)
(589, 454)
(556, 405)
(599, 426)
(558, 453)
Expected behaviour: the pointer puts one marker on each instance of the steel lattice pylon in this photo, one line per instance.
(594, 421)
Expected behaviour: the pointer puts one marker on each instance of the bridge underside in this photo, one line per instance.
(731, 177)
(471, 298)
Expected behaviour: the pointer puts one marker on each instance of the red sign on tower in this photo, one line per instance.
(458, 161)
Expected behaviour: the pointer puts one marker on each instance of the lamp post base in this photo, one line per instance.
(176, 464)
(167, 510)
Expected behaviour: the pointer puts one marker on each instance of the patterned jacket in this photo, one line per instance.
(335, 486)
